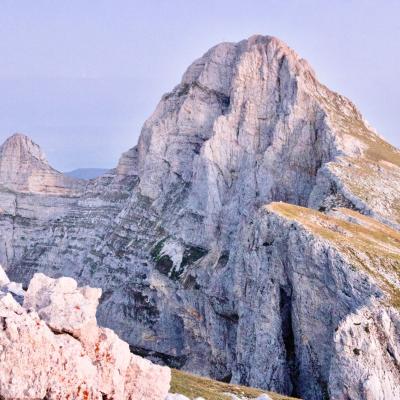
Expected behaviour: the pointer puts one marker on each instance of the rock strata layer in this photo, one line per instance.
(197, 273)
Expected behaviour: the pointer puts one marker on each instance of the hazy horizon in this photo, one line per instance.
(80, 78)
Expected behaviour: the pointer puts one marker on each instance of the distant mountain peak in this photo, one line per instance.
(86, 173)
(20, 145)
(24, 167)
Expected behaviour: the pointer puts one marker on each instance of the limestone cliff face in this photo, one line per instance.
(323, 290)
(250, 124)
(196, 271)
(32, 193)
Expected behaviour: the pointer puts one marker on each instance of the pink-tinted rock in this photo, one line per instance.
(111, 356)
(141, 370)
(61, 304)
(52, 348)
(35, 363)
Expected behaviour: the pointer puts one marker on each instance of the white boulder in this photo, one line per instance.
(176, 396)
(3, 277)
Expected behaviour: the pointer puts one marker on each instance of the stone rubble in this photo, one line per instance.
(52, 348)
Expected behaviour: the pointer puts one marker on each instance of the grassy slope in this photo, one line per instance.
(194, 386)
(347, 120)
(366, 243)
(363, 175)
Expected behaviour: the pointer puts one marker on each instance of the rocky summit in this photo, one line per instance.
(251, 236)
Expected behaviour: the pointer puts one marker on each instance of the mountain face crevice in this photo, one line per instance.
(285, 306)
(207, 240)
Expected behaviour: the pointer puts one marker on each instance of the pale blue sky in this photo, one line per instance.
(80, 77)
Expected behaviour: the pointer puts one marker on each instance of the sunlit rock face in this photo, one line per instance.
(52, 348)
(172, 235)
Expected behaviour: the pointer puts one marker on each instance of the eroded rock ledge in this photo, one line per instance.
(52, 348)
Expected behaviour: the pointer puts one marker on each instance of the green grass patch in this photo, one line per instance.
(194, 386)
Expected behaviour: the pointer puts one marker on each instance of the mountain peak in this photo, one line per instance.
(24, 167)
(274, 42)
(257, 106)
(19, 146)
(179, 233)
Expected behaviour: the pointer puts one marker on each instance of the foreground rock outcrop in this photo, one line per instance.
(197, 273)
(52, 348)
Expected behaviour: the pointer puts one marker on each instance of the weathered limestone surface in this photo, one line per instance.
(195, 272)
(52, 348)
(324, 293)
